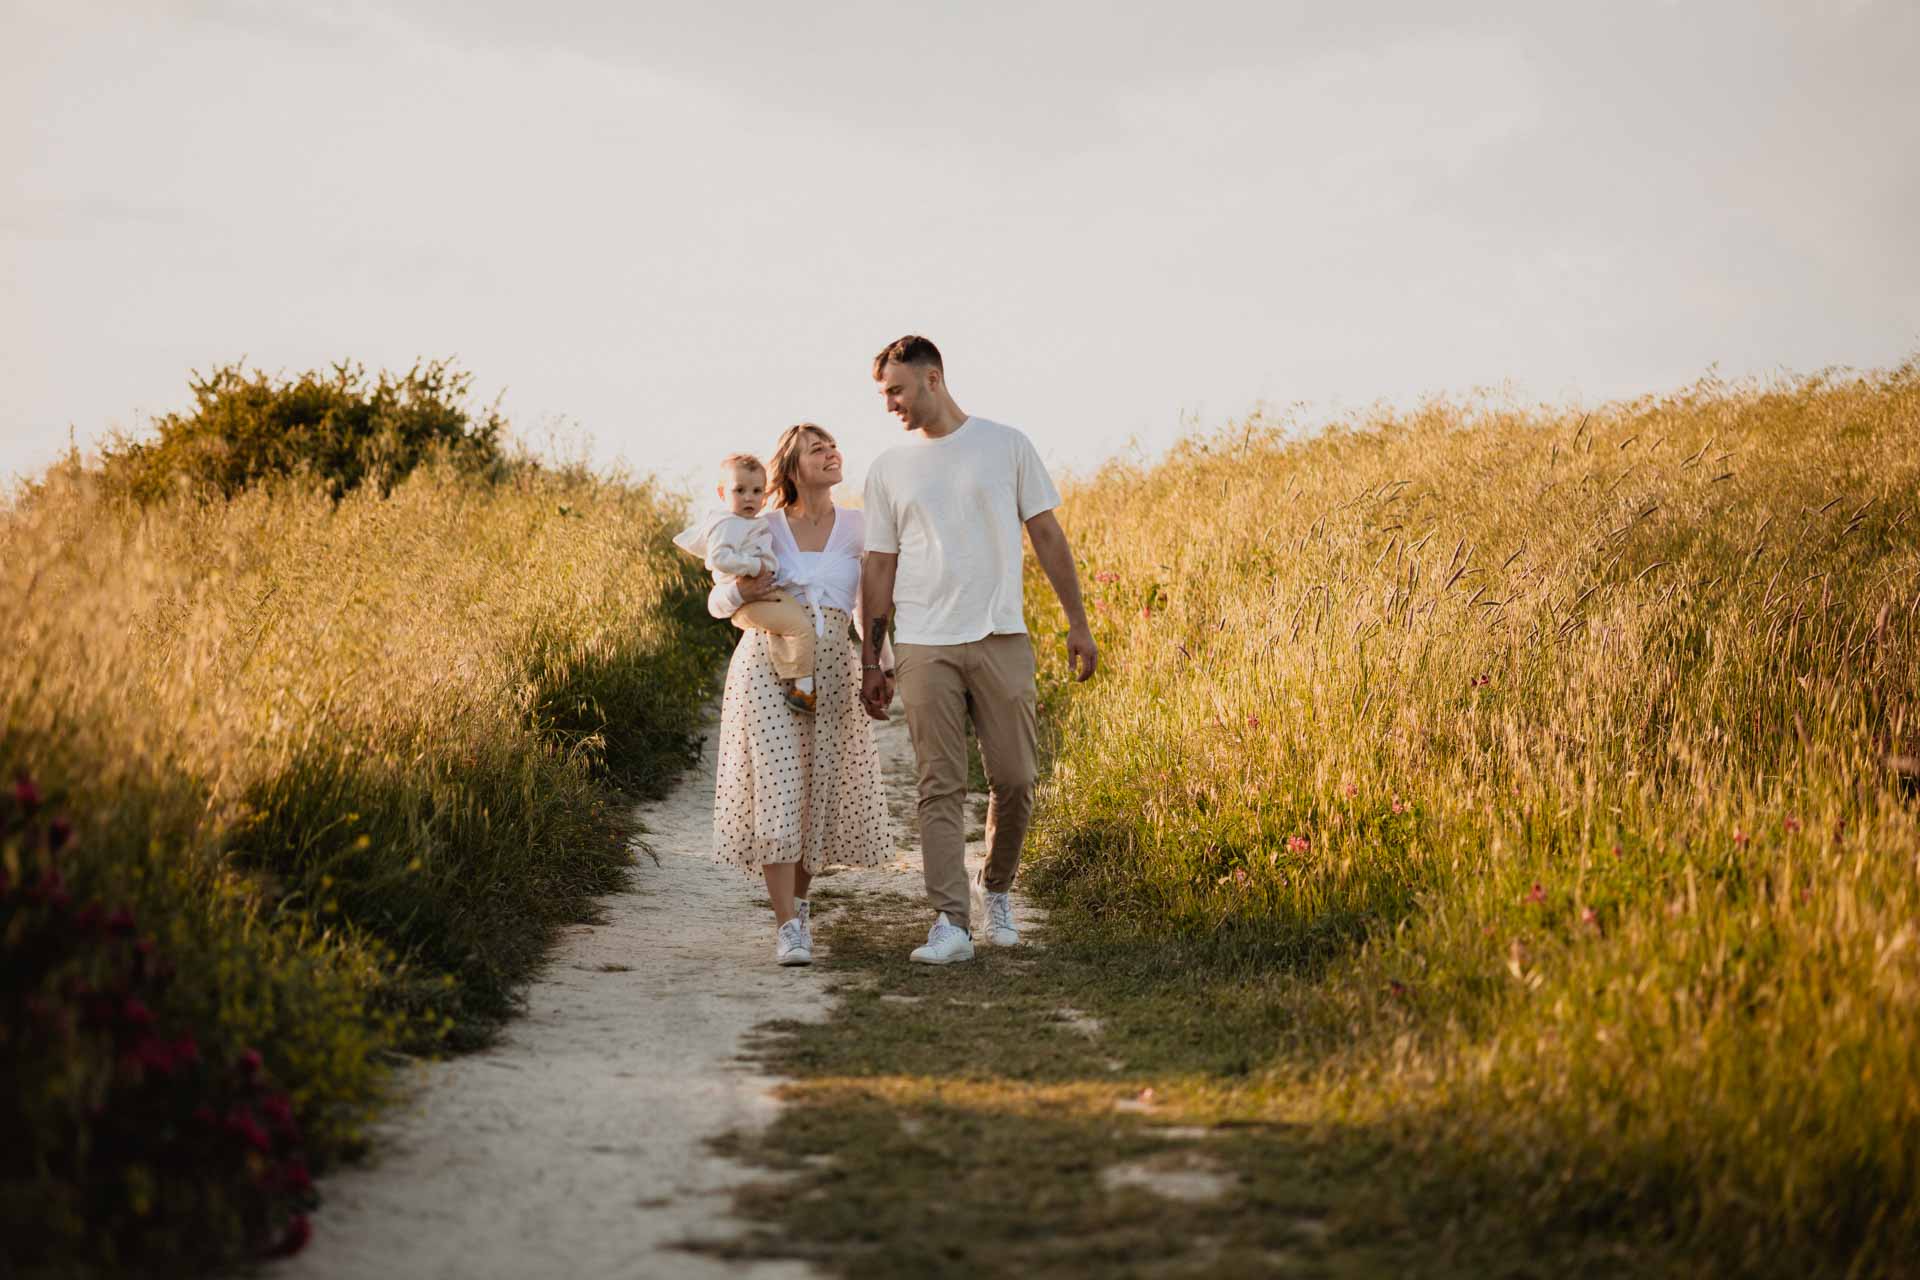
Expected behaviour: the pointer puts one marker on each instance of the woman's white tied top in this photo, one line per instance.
(825, 579)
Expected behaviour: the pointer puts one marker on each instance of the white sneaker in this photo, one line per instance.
(1000, 927)
(946, 944)
(791, 945)
(804, 914)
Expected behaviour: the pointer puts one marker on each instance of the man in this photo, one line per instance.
(944, 513)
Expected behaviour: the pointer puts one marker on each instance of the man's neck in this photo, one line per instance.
(949, 420)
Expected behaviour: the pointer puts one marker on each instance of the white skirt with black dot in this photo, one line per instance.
(793, 787)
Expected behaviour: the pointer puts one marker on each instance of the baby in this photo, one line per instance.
(735, 541)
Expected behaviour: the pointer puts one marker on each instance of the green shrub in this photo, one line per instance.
(336, 428)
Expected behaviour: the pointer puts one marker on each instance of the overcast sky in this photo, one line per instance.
(675, 229)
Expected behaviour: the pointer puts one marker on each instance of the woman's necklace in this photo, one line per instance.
(812, 522)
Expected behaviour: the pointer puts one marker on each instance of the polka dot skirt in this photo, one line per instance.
(793, 787)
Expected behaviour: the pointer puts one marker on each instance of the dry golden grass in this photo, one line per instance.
(1539, 771)
(348, 764)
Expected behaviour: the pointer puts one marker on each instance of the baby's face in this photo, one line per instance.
(744, 490)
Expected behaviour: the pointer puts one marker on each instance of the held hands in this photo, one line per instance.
(876, 693)
(1082, 655)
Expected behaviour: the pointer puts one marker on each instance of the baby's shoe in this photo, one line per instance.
(799, 699)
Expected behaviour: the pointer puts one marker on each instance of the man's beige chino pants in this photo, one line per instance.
(941, 685)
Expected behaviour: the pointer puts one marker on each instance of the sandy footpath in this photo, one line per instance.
(575, 1147)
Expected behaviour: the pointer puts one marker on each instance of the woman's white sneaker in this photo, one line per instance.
(803, 912)
(946, 944)
(790, 944)
(1000, 927)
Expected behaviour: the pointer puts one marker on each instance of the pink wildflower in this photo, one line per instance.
(1397, 806)
(1791, 823)
(136, 1013)
(1240, 875)
(1352, 791)
(250, 1064)
(25, 793)
(1589, 918)
(1106, 575)
(1616, 851)
(299, 1231)
(1740, 837)
(1297, 844)
(1537, 894)
(1253, 722)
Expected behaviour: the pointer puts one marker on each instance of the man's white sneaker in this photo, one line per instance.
(1001, 931)
(946, 944)
(790, 944)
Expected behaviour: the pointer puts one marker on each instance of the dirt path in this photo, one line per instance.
(575, 1147)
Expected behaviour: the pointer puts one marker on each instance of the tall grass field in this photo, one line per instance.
(1548, 778)
(298, 776)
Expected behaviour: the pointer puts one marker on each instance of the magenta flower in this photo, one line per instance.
(299, 1232)
(1537, 895)
(242, 1124)
(1397, 806)
(154, 1054)
(1297, 844)
(250, 1064)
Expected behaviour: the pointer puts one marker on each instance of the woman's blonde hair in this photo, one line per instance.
(782, 486)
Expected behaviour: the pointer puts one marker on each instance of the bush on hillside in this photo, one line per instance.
(337, 427)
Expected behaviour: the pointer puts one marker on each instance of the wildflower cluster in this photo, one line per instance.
(121, 1124)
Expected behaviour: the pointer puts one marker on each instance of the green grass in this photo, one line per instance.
(959, 1121)
(1504, 817)
(350, 764)
(1538, 770)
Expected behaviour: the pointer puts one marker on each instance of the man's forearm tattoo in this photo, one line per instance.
(877, 635)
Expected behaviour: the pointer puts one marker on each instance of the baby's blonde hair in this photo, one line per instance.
(742, 462)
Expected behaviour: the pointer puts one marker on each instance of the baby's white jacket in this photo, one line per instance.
(730, 545)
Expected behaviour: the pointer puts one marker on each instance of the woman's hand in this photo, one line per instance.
(758, 587)
(876, 692)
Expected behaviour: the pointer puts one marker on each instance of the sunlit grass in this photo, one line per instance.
(349, 765)
(1538, 770)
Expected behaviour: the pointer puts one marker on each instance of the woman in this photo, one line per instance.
(796, 791)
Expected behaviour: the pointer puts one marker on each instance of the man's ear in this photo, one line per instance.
(934, 375)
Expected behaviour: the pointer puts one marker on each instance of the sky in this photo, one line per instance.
(661, 233)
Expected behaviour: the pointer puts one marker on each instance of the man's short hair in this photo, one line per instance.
(912, 349)
(742, 462)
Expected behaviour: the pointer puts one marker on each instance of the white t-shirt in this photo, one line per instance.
(953, 509)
